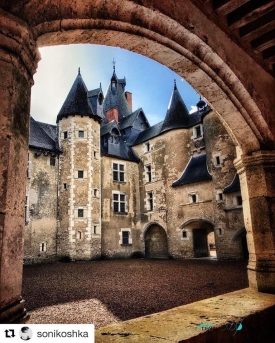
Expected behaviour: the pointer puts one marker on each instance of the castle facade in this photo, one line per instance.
(104, 183)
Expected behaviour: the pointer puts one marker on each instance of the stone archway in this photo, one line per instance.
(176, 34)
(156, 243)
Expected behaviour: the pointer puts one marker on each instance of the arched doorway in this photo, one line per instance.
(156, 244)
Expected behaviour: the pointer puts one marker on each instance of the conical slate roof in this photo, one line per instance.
(177, 115)
(77, 102)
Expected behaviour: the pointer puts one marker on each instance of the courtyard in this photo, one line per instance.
(108, 291)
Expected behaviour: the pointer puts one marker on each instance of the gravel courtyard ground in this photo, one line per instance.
(105, 292)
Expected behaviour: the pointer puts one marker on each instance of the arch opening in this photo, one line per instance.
(156, 243)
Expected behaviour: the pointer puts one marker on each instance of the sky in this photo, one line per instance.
(150, 82)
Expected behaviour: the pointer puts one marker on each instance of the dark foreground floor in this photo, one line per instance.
(104, 292)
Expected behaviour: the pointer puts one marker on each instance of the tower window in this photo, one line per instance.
(65, 134)
(219, 232)
(42, 247)
(95, 192)
(220, 195)
(147, 146)
(81, 134)
(64, 186)
(197, 132)
(80, 213)
(148, 173)
(80, 174)
(239, 200)
(79, 235)
(95, 229)
(52, 161)
(193, 198)
(150, 201)
(218, 161)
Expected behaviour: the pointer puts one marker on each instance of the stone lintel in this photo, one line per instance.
(254, 310)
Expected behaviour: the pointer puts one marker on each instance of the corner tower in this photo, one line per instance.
(79, 233)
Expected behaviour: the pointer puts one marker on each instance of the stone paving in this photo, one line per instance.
(106, 292)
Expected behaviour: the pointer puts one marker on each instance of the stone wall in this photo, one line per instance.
(115, 221)
(41, 208)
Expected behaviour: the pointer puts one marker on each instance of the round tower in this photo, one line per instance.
(79, 208)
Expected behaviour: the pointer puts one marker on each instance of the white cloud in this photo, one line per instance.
(193, 109)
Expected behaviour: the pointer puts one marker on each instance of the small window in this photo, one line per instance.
(193, 198)
(81, 134)
(239, 200)
(42, 247)
(125, 237)
(95, 154)
(184, 234)
(95, 229)
(220, 195)
(197, 132)
(150, 201)
(95, 193)
(80, 213)
(148, 173)
(147, 146)
(64, 186)
(219, 232)
(52, 161)
(65, 134)
(80, 174)
(218, 160)
(79, 235)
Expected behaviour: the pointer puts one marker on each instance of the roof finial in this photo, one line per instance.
(114, 64)
(79, 71)
(175, 85)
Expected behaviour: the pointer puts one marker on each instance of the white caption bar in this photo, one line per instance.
(35, 333)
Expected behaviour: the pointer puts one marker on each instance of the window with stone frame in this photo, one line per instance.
(148, 171)
(80, 213)
(150, 201)
(147, 146)
(52, 161)
(193, 198)
(125, 237)
(197, 132)
(80, 134)
(118, 172)
(80, 174)
(119, 203)
(239, 200)
(65, 134)
(42, 247)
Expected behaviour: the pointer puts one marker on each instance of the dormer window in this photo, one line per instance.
(197, 132)
(100, 98)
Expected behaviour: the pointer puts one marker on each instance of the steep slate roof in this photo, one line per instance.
(177, 115)
(120, 150)
(149, 133)
(116, 98)
(40, 139)
(77, 102)
(130, 119)
(234, 186)
(195, 171)
(107, 128)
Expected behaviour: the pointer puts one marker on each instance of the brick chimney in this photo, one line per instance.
(128, 96)
(112, 114)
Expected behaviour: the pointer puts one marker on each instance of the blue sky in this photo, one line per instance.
(150, 82)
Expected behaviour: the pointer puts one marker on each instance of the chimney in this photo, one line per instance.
(128, 96)
(112, 114)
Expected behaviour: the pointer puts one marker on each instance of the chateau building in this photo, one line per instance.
(105, 183)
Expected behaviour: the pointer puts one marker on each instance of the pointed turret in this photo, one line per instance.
(177, 115)
(77, 102)
(115, 104)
